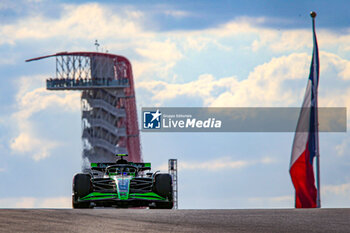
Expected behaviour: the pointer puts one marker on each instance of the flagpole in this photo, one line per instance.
(318, 201)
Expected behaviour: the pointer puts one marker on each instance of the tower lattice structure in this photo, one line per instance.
(172, 169)
(109, 115)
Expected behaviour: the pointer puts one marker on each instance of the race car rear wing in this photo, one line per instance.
(103, 166)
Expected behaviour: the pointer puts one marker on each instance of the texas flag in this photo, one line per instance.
(305, 144)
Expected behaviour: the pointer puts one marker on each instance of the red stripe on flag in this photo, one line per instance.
(303, 180)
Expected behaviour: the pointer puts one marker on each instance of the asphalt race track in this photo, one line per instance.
(144, 220)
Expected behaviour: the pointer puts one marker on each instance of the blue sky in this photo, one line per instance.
(198, 53)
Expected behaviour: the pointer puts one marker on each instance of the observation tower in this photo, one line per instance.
(109, 116)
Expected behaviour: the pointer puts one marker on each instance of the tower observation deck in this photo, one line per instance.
(109, 116)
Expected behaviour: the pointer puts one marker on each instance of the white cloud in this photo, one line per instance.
(331, 196)
(32, 202)
(8, 60)
(37, 148)
(260, 37)
(163, 51)
(263, 87)
(177, 13)
(339, 66)
(273, 202)
(117, 31)
(343, 147)
(157, 55)
(287, 40)
(25, 202)
(197, 43)
(202, 87)
(31, 100)
(55, 202)
(280, 82)
(214, 165)
(341, 189)
(218, 164)
(335, 195)
(159, 51)
(101, 23)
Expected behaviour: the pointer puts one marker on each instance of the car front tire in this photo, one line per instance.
(82, 186)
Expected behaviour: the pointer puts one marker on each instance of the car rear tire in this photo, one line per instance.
(82, 186)
(163, 186)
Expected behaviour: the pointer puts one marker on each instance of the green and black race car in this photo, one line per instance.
(122, 185)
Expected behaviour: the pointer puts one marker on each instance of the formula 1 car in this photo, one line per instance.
(122, 184)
